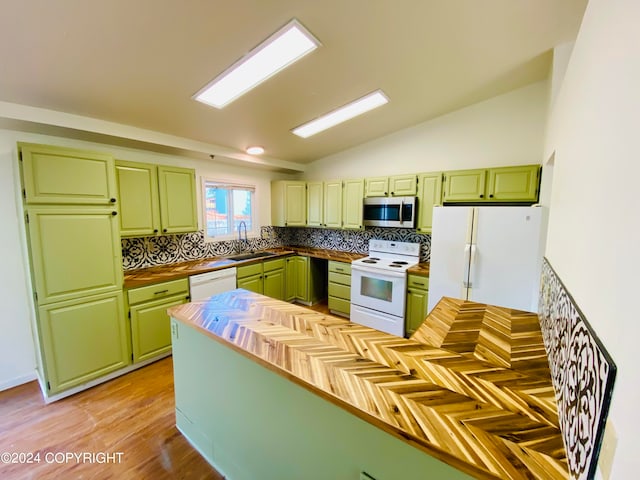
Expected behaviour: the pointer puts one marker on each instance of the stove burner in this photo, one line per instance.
(373, 260)
(394, 264)
(398, 262)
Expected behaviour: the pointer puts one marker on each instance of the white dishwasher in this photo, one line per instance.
(204, 285)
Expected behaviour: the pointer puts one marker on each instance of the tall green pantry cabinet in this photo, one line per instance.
(71, 215)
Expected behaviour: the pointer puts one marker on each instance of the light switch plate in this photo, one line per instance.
(607, 450)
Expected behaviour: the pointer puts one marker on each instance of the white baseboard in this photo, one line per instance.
(14, 382)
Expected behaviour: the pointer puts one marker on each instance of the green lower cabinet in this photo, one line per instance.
(290, 279)
(266, 278)
(150, 325)
(340, 288)
(310, 279)
(83, 339)
(417, 302)
(252, 283)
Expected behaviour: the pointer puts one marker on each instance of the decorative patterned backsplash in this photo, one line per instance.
(582, 371)
(146, 252)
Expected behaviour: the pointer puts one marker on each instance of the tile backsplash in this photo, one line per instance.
(582, 372)
(146, 252)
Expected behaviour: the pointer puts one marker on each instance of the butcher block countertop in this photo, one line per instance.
(471, 387)
(420, 269)
(174, 271)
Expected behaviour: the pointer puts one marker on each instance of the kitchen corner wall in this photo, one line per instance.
(162, 250)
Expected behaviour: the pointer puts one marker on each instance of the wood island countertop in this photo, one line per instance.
(174, 271)
(471, 387)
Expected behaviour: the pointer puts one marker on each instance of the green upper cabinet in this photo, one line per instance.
(352, 196)
(83, 339)
(315, 207)
(403, 185)
(176, 191)
(58, 175)
(505, 184)
(138, 193)
(155, 199)
(75, 251)
(288, 203)
(514, 184)
(429, 195)
(376, 187)
(464, 186)
(333, 204)
(396, 186)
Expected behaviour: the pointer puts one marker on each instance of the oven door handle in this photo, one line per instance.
(376, 271)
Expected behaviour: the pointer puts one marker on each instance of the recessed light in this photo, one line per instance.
(255, 150)
(284, 47)
(357, 107)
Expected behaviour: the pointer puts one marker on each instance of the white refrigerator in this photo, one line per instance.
(487, 254)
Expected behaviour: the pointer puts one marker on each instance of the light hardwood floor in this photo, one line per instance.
(133, 415)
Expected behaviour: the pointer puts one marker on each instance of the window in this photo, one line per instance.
(225, 207)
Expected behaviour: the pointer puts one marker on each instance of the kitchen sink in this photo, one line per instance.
(251, 255)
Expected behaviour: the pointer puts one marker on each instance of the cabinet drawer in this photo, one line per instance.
(340, 278)
(339, 267)
(340, 291)
(340, 305)
(158, 291)
(249, 270)
(418, 281)
(276, 264)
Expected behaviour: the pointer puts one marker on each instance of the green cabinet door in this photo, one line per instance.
(376, 187)
(150, 327)
(403, 186)
(75, 251)
(66, 176)
(176, 189)
(417, 302)
(464, 186)
(429, 195)
(302, 282)
(315, 207)
(291, 278)
(253, 283)
(295, 204)
(352, 197)
(274, 283)
(514, 184)
(333, 204)
(83, 339)
(138, 193)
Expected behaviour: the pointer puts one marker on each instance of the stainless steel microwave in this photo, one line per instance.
(397, 212)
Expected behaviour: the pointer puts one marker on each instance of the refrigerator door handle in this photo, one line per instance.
(467, 260)
(472, 263)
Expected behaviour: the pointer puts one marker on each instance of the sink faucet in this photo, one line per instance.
(246, 240)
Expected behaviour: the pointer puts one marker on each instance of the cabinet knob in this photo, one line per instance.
(155, 230)
(481, 195)
(385, 193)
(392, 193)
(112, 200)
(491, 196)
(164, 230)
(114, 213)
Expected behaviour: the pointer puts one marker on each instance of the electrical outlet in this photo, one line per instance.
(366, 476)
(607, 450)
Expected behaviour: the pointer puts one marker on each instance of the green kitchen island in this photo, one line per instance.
(270, 390)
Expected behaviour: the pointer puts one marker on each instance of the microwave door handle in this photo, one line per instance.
(401, 213)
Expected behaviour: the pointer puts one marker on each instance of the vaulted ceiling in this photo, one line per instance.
(139, 62)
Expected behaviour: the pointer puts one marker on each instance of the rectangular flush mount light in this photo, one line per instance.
(342, 114)
(284, 47)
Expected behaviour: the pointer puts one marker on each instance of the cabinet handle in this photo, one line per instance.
(265, 276)
(392, 193)
(112, 200)
(114, 213)
(481, 195)
(491, 196)
(164, 230)
(160, 292)
(155, 230)
(385, 193)
(421, 284)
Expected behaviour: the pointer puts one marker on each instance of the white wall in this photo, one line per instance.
(17, 353)
(504, 130)
(594, 225)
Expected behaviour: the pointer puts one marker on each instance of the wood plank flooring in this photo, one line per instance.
(133, 414)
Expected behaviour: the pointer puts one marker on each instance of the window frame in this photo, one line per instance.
(228, 185)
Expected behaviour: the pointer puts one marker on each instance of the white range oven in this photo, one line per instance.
(379, 285)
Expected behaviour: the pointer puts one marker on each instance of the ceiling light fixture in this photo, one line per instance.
(277, 52)
(342, 114)
(255, 150)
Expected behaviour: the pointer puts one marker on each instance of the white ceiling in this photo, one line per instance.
(139, 62)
